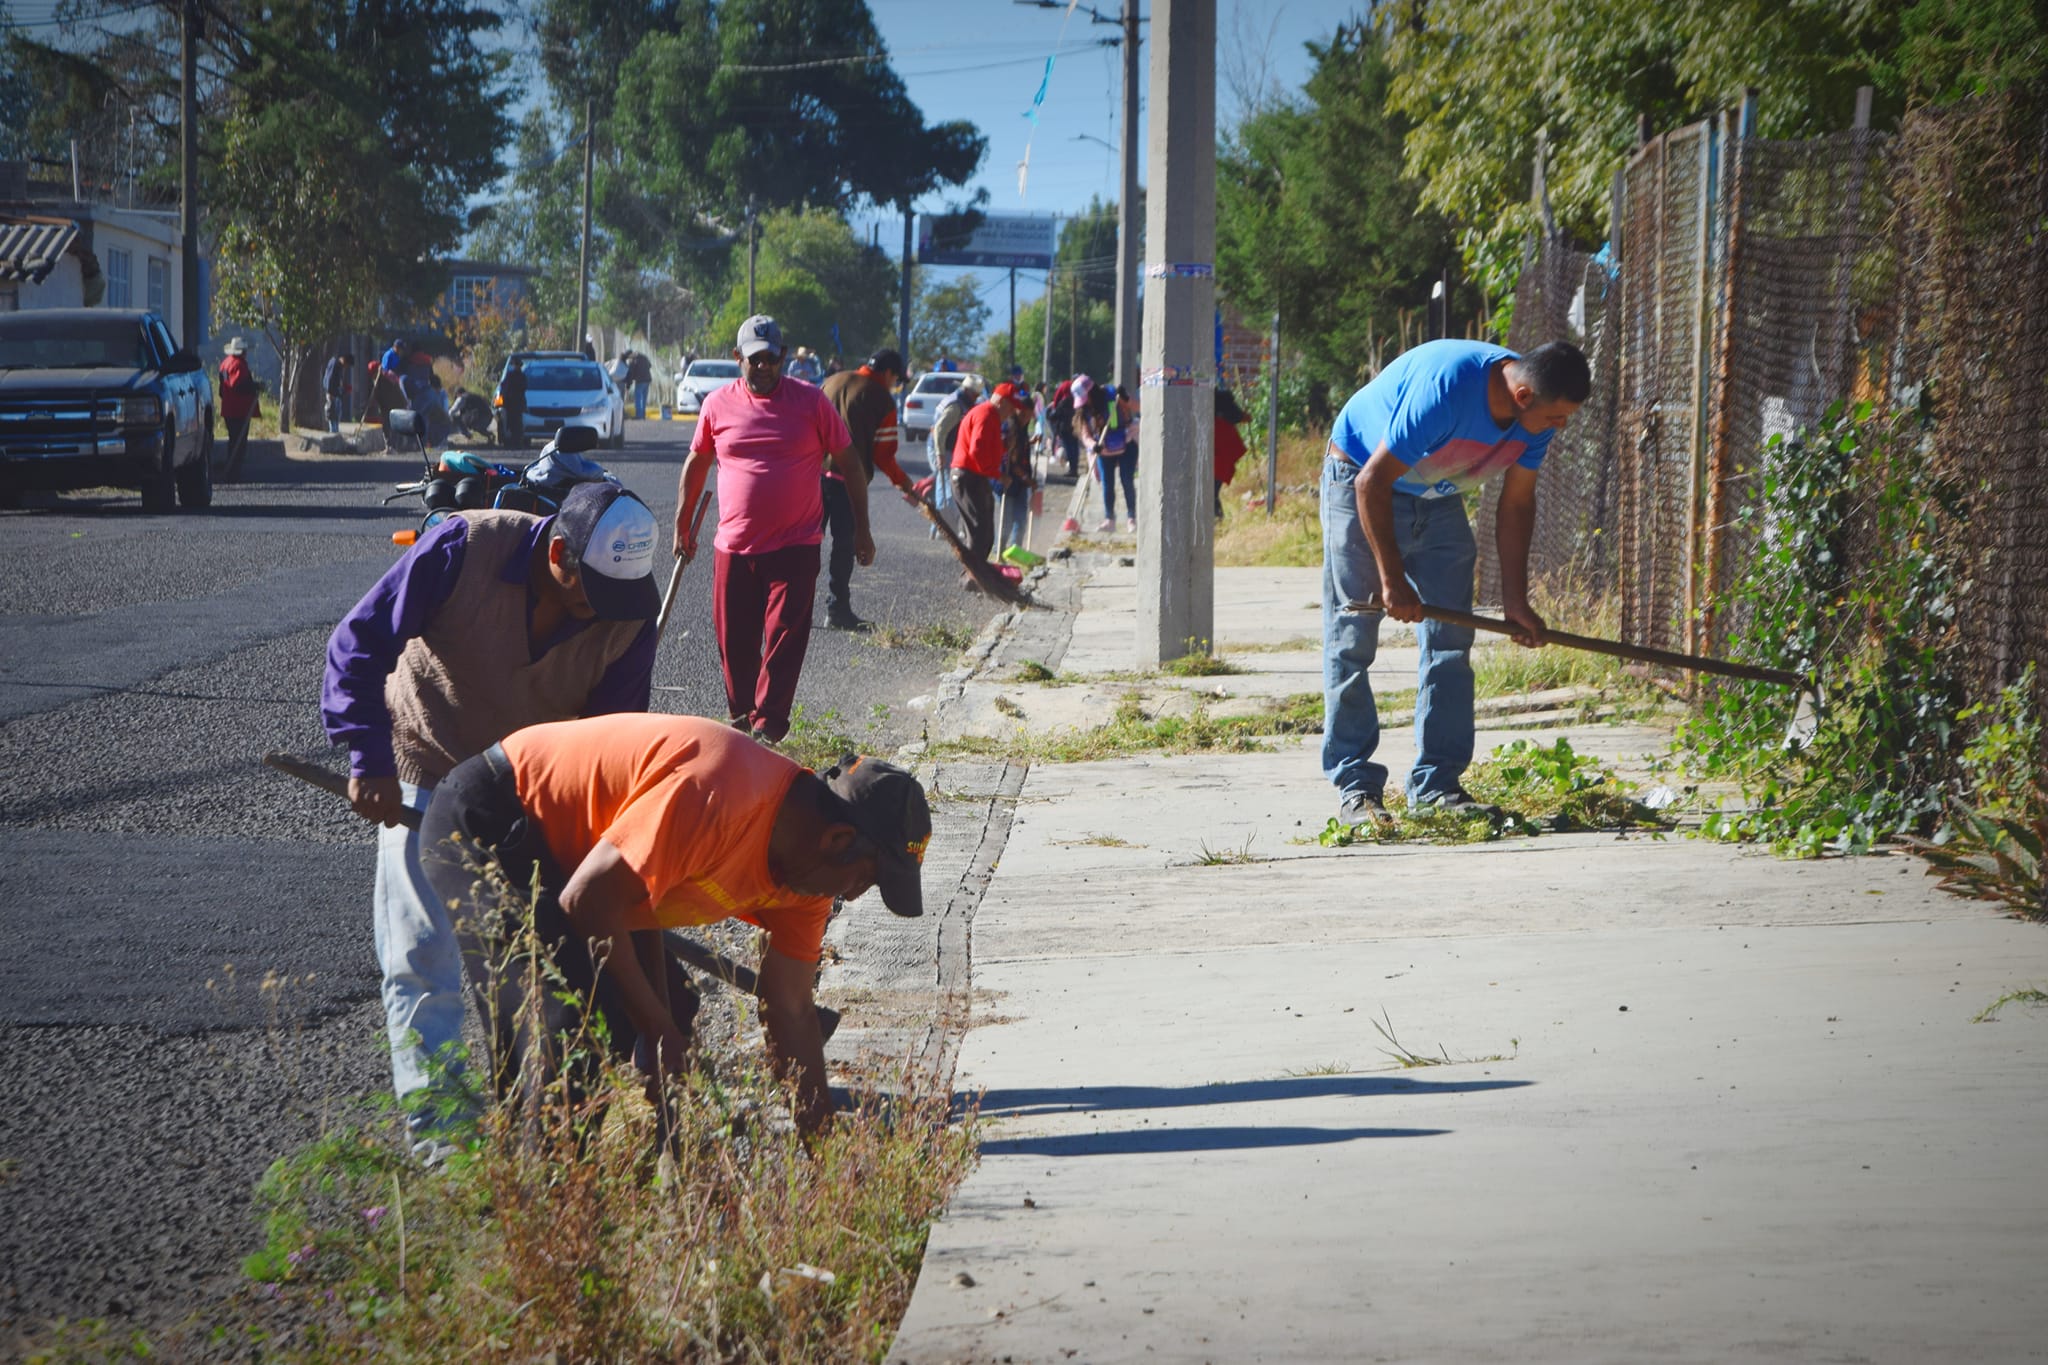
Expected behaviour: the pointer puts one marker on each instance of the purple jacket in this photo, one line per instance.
(365, 646)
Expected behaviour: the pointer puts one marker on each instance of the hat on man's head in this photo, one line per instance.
(888, 358)
(612, 533)
(888, 807)
(759, 333)
(1006, 392)
(235, 346)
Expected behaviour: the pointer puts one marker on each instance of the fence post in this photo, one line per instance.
(1695, 436)
(1720, 456)
(1273, 421)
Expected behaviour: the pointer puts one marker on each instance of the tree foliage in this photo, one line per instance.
(733, 102)
(1315, 219)
(814, 273)
(1480, 80)
(948, 318)
(345, 161)
(537, 222)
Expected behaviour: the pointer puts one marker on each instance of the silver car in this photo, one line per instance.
(568, 390)
(921, 401)
(695, 384)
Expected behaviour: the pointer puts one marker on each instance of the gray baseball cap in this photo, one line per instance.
(759, 333)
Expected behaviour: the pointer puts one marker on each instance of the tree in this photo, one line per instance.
(860, 280)
(346, 162)
(733, 103)
(947, 318)
(584, 44)
(1089, 347)
(1315, 220)
(1479, 80)
(795, 300)
(537, 222)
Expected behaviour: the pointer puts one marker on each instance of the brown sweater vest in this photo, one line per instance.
(469, 679)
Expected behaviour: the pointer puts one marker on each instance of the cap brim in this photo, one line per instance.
(756, 346)
(901, 882)
(622, 599)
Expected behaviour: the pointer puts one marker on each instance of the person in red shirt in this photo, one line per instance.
(1229, 443)
(241, 402)
(979, 449)
(771, 439)
(630, 824)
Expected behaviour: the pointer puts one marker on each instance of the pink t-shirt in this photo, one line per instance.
(771, 452)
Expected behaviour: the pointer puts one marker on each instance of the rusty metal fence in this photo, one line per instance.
(1752, 284)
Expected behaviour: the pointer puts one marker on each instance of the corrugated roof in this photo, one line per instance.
(30, 247)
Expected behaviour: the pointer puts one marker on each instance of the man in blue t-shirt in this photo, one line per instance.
(1435, 424)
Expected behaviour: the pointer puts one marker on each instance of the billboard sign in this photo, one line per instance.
(1000, 240)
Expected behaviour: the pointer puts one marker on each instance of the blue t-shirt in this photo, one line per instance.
(1428, 408)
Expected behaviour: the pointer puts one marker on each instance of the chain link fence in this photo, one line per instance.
(1753, 284)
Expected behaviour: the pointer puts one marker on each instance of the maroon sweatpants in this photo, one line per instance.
(761, 609)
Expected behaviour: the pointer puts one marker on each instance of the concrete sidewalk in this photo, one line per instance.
(1699, 1104)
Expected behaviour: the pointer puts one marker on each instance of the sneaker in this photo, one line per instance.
(1106, 524)
(1130, 524)
(843, 618)
(1358, 807)
(1458, 801)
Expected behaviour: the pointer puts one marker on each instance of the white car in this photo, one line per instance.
(695, 384)
(564, 389)
(921, 401)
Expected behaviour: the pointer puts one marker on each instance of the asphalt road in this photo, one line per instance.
(152, 873)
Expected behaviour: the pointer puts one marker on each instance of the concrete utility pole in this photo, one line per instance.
(583, 262)
(1177, 436)
(191, 326)
(1127, 208)
(1010, 356)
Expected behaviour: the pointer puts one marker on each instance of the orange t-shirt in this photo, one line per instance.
(688, 803)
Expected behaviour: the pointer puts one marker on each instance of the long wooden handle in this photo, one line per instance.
(675, 577)
(739, 977)
(1667, 658)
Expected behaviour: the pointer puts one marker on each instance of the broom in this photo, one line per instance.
(993, 581)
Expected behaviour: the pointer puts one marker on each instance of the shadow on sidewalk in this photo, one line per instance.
(1090, 1099)
(1149, 1141)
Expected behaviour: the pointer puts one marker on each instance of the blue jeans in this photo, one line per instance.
(640, 398)
(420, 959)
(1438, 556)
(1110, 469)
(1015, 512)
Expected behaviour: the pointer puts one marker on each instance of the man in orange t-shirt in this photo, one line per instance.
(635, 823)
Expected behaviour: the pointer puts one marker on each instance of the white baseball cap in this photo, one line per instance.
(613, 534)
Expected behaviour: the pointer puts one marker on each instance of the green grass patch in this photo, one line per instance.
(1530, 789)
(1200, 664)
(1131, 731)
(1032, 671)
(939, 635)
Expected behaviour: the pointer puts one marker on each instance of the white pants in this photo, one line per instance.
(420, 960)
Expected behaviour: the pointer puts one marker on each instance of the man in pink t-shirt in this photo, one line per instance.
(770, 436)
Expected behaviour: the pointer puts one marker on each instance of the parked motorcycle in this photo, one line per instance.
(459, 480)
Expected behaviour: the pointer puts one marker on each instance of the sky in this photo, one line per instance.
(946, 52)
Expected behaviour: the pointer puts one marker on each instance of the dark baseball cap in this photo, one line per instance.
(760, 333)
(886, 359)
(888, 807)
(613, 534)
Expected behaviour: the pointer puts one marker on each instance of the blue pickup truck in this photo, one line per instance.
(102, 397)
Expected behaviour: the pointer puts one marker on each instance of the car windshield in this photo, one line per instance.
(940, 383)
(563, 378)
(87, 344)
(713, 369)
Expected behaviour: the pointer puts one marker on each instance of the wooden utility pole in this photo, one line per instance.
(192, 331)
(903, 300)
(583, 262)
